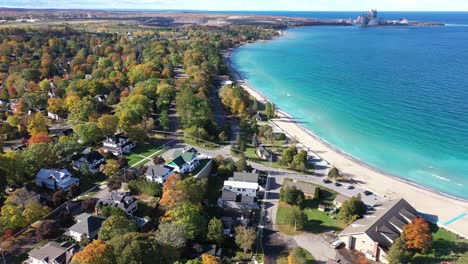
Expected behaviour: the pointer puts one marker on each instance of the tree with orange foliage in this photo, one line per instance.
(40, 138)
(418, 235)
(97, 252)
(210, 259)
(171, 195)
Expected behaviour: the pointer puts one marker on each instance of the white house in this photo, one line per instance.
(55, 179)
(86, 225)
(241, 187)
(90, 159)
(184, 162)
(117, 144)
(53, 253)
(158, 173)
(122, 200)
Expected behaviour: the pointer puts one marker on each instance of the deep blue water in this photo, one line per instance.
(395, 98)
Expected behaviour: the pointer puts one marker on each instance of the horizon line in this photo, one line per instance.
(216, 10)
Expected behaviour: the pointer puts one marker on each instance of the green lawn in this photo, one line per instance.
(142, 150)
(250, 154)
(446, 246)
(201, 144)
(318, 221)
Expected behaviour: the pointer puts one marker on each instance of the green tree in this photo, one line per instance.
(297, 218)
(37, 124)
(81, 110)
(88, 132)
(135, 248)
(115, 226)
(292, 195)
(463, 259)
(334, 173)
(108, 124)
(287, 156)
(351, 210)
(215, 231)
(300, 161)
(398, 253)
(164, 120)
(242, 163)
(190, 218)
(245, 237)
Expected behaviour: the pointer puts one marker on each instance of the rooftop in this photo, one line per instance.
(245, 176)
(242, 185)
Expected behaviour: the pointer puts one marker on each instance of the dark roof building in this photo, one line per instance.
(246, 177)
(376, 231)
(122, 200)
(87, 225)
(53, 253)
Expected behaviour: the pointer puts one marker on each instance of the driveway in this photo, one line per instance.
(317, 245)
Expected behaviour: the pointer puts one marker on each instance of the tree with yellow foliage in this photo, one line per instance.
(210, 259)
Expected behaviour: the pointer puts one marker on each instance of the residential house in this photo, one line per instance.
(66, 132)
(241, 187)
(55, 179)
(53, 253)
(264, 153)
(86, 225)
(117, 144)
(245, 176)
(122, 200)
(184, 161)
(376, 231)
(53, 116)
(339, 200)
(158, 173)
(306, 188)
(90, 159)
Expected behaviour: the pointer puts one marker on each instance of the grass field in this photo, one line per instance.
(446, 246)
(318, 221)
(142, 150)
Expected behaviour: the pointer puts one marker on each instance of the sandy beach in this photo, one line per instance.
(451, 212)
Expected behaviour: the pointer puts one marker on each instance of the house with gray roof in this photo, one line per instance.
(158, 173)
(374, 234)
(124, 201)
(184, 161)
(53, 253)
(90, 159)
(264, 153)
(340, 200)
(305, 187)
(246, 177)
(55, 179)
(86, 225)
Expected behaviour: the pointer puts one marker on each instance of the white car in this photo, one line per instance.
(336, 244)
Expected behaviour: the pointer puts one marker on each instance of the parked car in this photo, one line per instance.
(349, 187)
(337, 184)
(336, 244)
(326, 181)
(367, 193)
(370, 207)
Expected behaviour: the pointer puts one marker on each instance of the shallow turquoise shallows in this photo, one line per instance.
(395, 98)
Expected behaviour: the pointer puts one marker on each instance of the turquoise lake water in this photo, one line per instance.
(395, 98)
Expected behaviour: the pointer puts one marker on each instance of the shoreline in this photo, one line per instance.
(444, 207)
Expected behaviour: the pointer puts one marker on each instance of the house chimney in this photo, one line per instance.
(376, 251)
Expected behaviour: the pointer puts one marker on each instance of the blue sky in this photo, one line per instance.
(300, 5)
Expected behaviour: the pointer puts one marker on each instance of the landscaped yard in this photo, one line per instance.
(446, 246)
(318, 221)
(142, 150)
(250, 154)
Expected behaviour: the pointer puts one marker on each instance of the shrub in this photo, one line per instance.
(292, 195)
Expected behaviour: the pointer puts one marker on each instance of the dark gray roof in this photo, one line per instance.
(246, 177)
(264, 152)
(87, 224)
(303, 186)
(157, 170)
(247, 200)
(122, 200)
(228, 195)
(116, 138)
(54, 252)
(384, 224)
